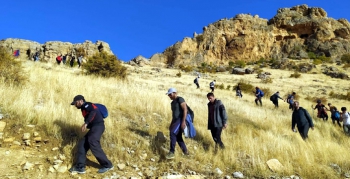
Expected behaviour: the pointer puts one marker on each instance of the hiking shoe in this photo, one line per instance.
(75, 169)
(170, 155)
(105, 169)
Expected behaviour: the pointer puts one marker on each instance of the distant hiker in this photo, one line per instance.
(178, 122)
(212, 85)
(36, 56)
(80, 60)
(64, 59)
(217, 119)
(335, 114)
(238, 91)
(93, 120)
(346, 120)
(29, 54)
(290, 100)
(71, 62)
(196, 81)
(321, 110)
(59, 59)
(16, 53)
(302, 119)
(274, 98)
(259, 94)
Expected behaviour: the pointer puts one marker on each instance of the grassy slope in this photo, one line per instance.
(139, 108)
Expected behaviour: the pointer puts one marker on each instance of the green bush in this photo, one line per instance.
(345, 58)
(231, 63)
(245, 86)
(11, 71)
(296, 74)
(221, 86)
(317, 62)
(314, 99)
(311, 55)
(241, 63)
(178, 74)
(340, 96)
(185, 68)
(105, 65)
(325, 59)
(228, 87)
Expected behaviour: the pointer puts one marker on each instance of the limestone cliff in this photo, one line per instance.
(291, 33)
(51, 49)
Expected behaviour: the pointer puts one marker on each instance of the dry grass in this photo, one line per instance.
(139, 108)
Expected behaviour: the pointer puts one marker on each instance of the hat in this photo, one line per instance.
(343, 108)
(171, 90)
(76, 98)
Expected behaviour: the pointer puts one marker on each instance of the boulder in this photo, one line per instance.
(239, 71)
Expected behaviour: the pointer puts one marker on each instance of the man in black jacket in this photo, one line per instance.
(93, 120)
(217, 119)
(302, 119)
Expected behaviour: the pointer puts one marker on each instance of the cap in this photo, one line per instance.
(171, 90)
(76, 98)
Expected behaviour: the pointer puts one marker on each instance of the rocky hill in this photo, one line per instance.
(291, 33)
(51, 49)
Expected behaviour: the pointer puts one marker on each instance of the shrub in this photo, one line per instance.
(185, 68)
(266, 80)
(80, 52)
(199, 38)
(231, 63)
(228, 87)
(314, 99)
(178, 74)
(317, 62)
(345, 58)
(311, 55)
(340, 96)
(105, 65)
(221, 86)
(245, 86)
(241, 63)
(11, 70)
(296, 74)
(325, 59)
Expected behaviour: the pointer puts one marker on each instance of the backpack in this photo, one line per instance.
(195, 80)
(336, 114)
(261, 93)
(288, 98)
(272, 98)
(211, 84)
(189, 110)
(103, 110)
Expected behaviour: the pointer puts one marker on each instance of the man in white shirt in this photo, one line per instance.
(346, 120)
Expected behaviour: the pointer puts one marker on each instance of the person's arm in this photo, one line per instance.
(293, 122)
(309, 119)
(223, 115)
(184, 109)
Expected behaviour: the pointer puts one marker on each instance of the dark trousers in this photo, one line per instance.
(334, 119)
(58, 62)
(91, 141)
(275, 102)
(291, 106)
(258, 99)
(177, 138)
(304, 130)
(216, 134)
(212, 89)
(197, 85)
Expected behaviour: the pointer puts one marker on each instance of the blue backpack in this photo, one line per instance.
(103, 110)
(336, 114)
(261, 93)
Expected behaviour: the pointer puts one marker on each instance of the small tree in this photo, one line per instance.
(105, 65)
(11, 70)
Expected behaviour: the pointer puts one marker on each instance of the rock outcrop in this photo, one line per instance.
(291, 33)
(50, 50)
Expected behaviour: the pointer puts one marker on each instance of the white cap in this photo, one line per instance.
(171, 90)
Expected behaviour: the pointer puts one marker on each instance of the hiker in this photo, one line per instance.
(36, 56)
(274, 98)
(238, 91)
(345, 116)
(258, 94)
(196, 81)
(93, 120)
(71, 62)
(335, 114)
(217, 119)
(64, 59)
(59, 59)
(212, 86)
(290, 100)
(178, 122)
(321, 110)
(80, 60)
(302, 119)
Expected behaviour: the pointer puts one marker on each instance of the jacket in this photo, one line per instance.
(92, 116)
(220, 115)
(301, 117)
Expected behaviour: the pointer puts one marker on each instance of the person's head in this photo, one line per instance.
(256, 87)
(214, 80)
(278, 92)
(329, 104)
(296, 104)
(343, 109)
(211, 97)
(172, 93)
(78, 101)
(294, 93)
(318, 101)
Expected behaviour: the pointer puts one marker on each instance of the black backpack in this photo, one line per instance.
(195, 80)
(189, 110)
(272, 98)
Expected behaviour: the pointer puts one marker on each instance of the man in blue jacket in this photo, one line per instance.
(93, 120)
(302, 119)
(258, 94)
(217, 119)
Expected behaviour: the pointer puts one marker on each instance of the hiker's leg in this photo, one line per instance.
(216, 134)
(83, 147)
(256, 100)
(304, 130)
(181, 142)
(260, 101)
(338, 121)
(172, 141)
(95, 134)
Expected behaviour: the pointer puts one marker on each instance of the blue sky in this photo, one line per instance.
(134, 27)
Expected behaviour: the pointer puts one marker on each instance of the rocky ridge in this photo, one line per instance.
(291, 33)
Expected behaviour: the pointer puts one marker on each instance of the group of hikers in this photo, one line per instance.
(63, 59)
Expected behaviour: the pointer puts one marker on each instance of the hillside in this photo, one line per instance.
(139, 110)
